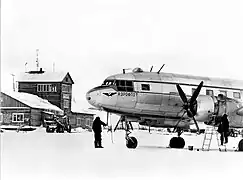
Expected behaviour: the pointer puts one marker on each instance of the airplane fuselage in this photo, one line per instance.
(150, 97)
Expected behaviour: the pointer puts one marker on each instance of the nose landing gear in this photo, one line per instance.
(131, 141)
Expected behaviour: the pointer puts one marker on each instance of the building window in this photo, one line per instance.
(46, 88)
(78, 121)
(18, 117)
(236, 95)
(145, 87)
(66, 88)
(209, 92)
(66, 103)
(66, 96)
(1, 117)
(88, 121)
(224, 93)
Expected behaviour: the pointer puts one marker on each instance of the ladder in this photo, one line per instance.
(208, 138)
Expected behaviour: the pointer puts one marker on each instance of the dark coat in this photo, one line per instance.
(224, 124)
(97, 125)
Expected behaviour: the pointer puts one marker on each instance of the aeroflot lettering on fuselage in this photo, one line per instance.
(133, 94)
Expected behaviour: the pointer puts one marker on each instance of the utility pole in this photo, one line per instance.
(37, 60)
(53, 67)
(25, 66)
(13, 82)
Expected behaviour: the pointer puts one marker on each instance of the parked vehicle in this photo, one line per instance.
(58, 125)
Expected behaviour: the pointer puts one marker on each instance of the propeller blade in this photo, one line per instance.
(196, 93)
(179, 121)
(198, 130)
(182, 94)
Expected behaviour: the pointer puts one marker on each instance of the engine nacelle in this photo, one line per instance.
(206, 106)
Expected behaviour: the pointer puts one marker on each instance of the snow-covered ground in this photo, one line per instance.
(42, 156)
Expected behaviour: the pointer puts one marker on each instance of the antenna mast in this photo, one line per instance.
(37, 60)
(25, 66)
(160, 68)
(13, 82)
(53, 67)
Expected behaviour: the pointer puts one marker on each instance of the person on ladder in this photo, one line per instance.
(97, 131)
(223, 129)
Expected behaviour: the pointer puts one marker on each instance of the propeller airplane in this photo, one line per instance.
(168, 100)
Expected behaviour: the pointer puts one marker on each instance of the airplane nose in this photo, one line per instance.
(91, 97)
(88, 97)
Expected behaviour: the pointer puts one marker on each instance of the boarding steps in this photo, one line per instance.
(208, 138)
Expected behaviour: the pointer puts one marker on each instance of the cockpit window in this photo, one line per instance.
(123, 85)
(108, 83)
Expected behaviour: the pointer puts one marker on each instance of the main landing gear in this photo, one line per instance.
(131, 141)
(177, 142)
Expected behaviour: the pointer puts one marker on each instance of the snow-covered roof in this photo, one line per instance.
(42, 77)
(77, 108)
(33, 101)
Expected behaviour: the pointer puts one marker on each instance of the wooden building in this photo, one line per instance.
(56, 87)
(80, 117)
(27, 109)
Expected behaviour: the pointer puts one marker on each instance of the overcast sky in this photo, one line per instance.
(94, 39)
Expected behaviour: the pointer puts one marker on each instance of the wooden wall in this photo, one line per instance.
(52, 97)
(84, 119)
(7, 116)
(7, 101)
(36, 117)
(56, 98)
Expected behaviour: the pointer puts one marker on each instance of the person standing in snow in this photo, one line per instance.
(223, 129)
(97, 131)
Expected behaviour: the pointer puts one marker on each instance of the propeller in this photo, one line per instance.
(190, 105)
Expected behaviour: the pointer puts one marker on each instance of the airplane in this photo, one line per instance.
(168, 100)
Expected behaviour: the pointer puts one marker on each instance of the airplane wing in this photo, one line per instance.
(96, 109)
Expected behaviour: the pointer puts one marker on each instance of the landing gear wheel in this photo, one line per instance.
(177, 142)
(240, 145)
(131, 142)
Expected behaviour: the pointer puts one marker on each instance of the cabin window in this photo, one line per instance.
(18, 117)
(236, 95)
(123, 85)
(209, 92)
(224, 93)
(145, 87)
